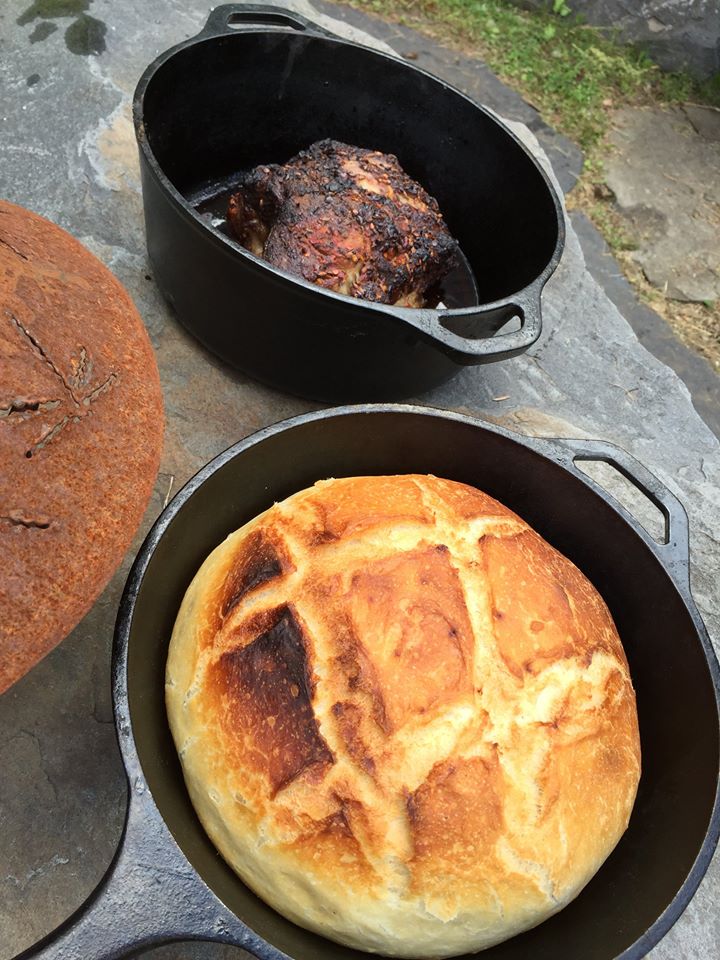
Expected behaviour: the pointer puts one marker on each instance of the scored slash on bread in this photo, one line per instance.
(404, 719)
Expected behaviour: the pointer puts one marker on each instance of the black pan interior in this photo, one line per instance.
(676, 702)
(226, 104)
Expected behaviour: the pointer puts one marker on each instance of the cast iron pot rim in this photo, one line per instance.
(233, 249)
(545, 447)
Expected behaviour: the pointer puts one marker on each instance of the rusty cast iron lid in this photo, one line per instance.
(81, 426)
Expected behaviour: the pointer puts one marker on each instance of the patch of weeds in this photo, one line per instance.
(612, 227)
(573, 73)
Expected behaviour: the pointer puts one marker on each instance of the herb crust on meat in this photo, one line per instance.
(348, 219)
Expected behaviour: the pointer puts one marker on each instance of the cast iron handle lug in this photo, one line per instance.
(674, 550)
(149, 895)
(221, 20)
(472, 350)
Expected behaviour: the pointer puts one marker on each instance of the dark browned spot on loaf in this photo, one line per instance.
(587, 657)
(321, 536)
(271, 690)
(258, 561)
(611, 760)
(359, 672)
(348, 717)
(337, 823)
(365, 680)
(368, 765)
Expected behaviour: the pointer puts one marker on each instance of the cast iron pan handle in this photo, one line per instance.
(230, 17)
(674, 550)
(150, 895)
(482, 346)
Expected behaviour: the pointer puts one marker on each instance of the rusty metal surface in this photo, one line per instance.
(81, 429)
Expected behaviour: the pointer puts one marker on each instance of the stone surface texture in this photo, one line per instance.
(67, 150)
(677, 34)
(705, 120)
(652, 330)
(666, 180)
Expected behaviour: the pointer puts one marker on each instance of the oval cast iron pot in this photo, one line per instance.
(167, 881)
(257, 85)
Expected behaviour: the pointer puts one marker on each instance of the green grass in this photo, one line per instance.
(571, 72)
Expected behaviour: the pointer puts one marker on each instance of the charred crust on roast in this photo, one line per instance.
(348, 717)
(348, 219)
(271, 689)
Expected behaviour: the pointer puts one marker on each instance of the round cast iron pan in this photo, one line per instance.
(168, 882)
(257, 85)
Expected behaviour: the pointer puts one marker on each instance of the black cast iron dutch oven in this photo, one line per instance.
(257, 85)
(168, 882)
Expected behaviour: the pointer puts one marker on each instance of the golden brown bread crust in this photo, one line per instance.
(404, 718)
(81, 428)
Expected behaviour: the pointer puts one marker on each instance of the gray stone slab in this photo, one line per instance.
(67, 150)
(666, 181)
(652, 330)
(705, 120)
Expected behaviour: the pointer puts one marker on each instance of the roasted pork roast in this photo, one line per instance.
(348, 219)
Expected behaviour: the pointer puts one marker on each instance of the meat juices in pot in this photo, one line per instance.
(348, 219)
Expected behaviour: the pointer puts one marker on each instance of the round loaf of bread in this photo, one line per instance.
(404, 719)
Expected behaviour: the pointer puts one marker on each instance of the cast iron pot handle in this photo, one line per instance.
(229, 17)
(150, 895)
(674, 550)
(472, 350)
